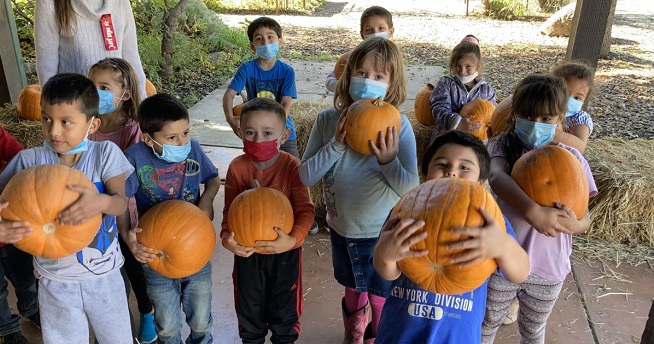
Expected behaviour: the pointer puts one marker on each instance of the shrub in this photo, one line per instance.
(508, 9)
(263, 7)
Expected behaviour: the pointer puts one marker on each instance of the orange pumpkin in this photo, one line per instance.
(339, 68)
(365, 119)
(180, 234)
(479, 111)
(253, 214)
(422, 107)
(37, 195)
(444, 204)
(550, 175)
(237, 109)
(501, 117)
(29, 103)
(149, 88)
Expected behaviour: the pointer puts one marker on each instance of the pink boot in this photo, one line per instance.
(355, 324)
(367, 335)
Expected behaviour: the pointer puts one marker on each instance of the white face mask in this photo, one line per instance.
(382, 34)
(469, 78)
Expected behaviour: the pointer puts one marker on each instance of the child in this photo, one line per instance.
(264, 77)
(539, 104)
(454, 154)
(85, 287)
(171, 165)
(360, 190)
(268, 286)
(463, 85)
(119, 100)
(376, 21)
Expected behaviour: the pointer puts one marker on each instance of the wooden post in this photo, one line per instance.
(588, 28)
(12, 72)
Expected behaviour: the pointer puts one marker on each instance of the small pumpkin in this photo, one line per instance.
(422, 106)
(37, 195)
(365, 119)
(444, 204)
(237, 109)
(550, 175)
(181, 236)
(500, 117)
(479, 111)
(253, 214)
(149, 88)
(29, 103)
(339, 68)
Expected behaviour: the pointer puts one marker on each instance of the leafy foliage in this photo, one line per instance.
(264, 6)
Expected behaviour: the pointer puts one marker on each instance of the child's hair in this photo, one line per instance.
(66, 16)
(460, 138)
(158, 110)
(462, 49)
(535, 95)
(264, 104)
(376, 11)
(576, 69)
(266, 22)
(71, 88)
(386, 56)
(127, 79)
(471, 38)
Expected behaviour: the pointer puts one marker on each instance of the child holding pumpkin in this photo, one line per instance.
(267, 283)
(454, 154)
(360, 190)
(463, 85)
(86, 286)
(539, 104)
(171, 165)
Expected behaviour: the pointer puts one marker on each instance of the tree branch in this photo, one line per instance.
(22, 14)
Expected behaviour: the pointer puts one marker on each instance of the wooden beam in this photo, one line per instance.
(12, 72)
(591, 20)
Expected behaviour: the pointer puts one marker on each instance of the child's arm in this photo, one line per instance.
(91, 203)
(573, 140)
(205, 203)
(13, 231)
(141, 252)
(490, 241)
(397, 158)
(575, 226)
(9, 147)
(286, 102)
(330, 83)
(319, 157)
(441, 108)
(393, 245)
(226, 236)
(228, 108)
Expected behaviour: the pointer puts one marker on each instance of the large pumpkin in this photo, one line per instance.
(149, 88)
(339, 68)
(180, 234)
(29, 103)
(365, 119)
(253, 214)
(237, 109)
(479, 111)
(444, 204)
(501, 116)
(37, 195)
(422, 106)
(550, 175)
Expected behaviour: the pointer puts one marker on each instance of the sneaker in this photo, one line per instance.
(147, 333)
(36, 319)
(14, 338)
(314, 228)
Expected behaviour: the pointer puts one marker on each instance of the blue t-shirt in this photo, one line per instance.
(156, 180)
(414, 315)
(275, 83)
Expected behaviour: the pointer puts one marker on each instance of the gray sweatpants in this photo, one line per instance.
(67, 308)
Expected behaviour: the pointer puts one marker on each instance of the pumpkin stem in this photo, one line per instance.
(430, 86)
(255, 183)
(378, 102)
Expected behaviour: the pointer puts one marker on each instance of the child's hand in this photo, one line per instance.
(571, 223)
(389, 145)
(467, 125)
(483, 242)
(89, 204)
(283, 243)
(141, 252)
(396, 238)
(235, 123)
(546, 220)
(13, 231)
(339, 135)
(231, 244)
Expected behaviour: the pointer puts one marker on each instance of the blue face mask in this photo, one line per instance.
(172, 153)
(81, 147)
(533, 134)
(382, 34)
(574, 106)
(267, 51)
(364, 88)
(107, 102)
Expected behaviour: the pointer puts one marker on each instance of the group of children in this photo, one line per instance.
(140, 153)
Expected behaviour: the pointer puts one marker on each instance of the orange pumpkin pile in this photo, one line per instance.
(479, 111)
(37, 195)
(550, 175)
(422, 106)
(445, 204)
(181, 236)
(365, 119)
(29, 103)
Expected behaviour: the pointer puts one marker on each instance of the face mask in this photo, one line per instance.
(467, 79)
(533, 134)
(382, 34)
(574, 106)
(267, 51)
(364, 88)
(172, 153)
(261, 151)
(106, 102)
(81, 147)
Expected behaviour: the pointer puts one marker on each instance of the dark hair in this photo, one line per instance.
(158, 110)
(264, 104)
(576, 69)
(460, 138)
(462, 49)
(266, 22)
(376, 11)
(127, 79)
(71, 88)
(66, 17)
(470, 36)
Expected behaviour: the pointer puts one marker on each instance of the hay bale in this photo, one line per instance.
(27, 132)
(622, 211)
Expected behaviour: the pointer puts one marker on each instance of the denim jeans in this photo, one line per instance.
(169, 295)
(17, 266)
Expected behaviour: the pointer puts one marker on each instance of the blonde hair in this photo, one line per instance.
(127, 79)
(386, 56)
(66, 17)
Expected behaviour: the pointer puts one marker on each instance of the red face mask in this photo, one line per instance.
(260, 151)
